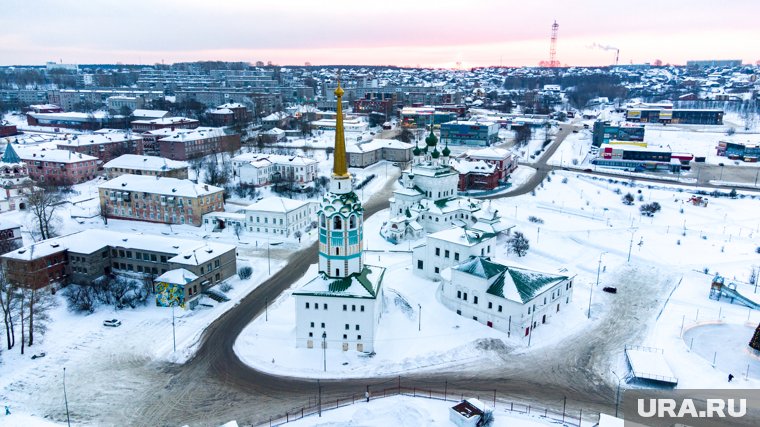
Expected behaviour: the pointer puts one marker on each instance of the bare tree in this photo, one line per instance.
(102, 211)
(43, 204)
(8, 304)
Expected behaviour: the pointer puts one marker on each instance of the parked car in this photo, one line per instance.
(112, 323)
(610, 289)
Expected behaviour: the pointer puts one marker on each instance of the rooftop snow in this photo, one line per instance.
(362, 285)
(150, 163)
(29, 154)
(159, 185)
(276, 205)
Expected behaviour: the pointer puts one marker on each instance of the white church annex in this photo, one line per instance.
(341, 307)
(511, 299)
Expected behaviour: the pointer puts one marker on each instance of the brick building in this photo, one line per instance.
(192, 143)
(87, 255)
(164, 123)
(145, 165)
(61, 167)
(156, 199)
(105, 147)
(503, 161)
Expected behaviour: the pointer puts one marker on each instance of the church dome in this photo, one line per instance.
(431, 140)
(436, 154)
(446, 151)
(416, 150)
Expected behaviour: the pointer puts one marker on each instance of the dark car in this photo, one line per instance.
(610, 289)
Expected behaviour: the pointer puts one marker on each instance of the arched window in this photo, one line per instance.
(322, 221)
(337, 223)
(352, 221)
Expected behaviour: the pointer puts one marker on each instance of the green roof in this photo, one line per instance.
(511, 282)
(10, 155)
(365, 284)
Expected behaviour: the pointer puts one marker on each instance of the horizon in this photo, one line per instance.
(424, 34)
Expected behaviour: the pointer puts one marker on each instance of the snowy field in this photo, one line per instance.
(405, 411)
(584, 221)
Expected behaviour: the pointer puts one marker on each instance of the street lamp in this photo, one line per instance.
(324, 350)
(617, 394)
(269, 262)
(630, 245)
(591, 293)
(419, 318)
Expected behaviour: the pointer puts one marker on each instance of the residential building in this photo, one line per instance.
(85, 256)
(341, 307)
(450, 247)
(73, 120)
(119, 102)
(463, 132)
(264, 169)
(279, 216)
(178, 288)
(158, 199)
(369, 153)
(70, 99)
(60, 167)
(425, 116)
(10, 236)
(141, 114)
(188, 144)
(229, 114)
(7, 129)
(164, 123)
(475, 175)
(604, 133)
(146, 165)
(104, 146)
(504, 161)
(511, 299)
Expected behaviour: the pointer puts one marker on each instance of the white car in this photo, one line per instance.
(112, 323)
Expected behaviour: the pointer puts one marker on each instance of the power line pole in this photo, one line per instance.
(66, 399)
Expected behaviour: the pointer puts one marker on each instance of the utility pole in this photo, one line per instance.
(66, 399)
(174, 335)
(630, 245)
(324, 350)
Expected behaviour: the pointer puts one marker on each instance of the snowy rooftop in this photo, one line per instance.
(74, 116)
(377, 144)
(188, 252)
(460, 236)
(513, 283)
(96, 139)
(649, 363)
(160, 185)
(177, 276)
(194, 134)
(231, 105)
(363, 285)
(465, 167)
(166, 121)
(141, 114)
(276, 205)
(489, 153)
(58, 156)
(275, 158)
(151, 163)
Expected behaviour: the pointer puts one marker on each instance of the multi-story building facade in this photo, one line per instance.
(392, 150)
(60, 167)
(164, 123)
(449, 247)
(188, 144)
(511, 299)
(469, 133)
(146, 165)
(263, 169)
(157, 199)
(503, 161)
(104, 146)
(277, 215)
(73, 120)
(10, 236)
(85, 256)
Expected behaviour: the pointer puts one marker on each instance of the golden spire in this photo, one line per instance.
(339, 157)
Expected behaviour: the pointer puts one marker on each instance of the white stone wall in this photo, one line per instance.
(335, 318)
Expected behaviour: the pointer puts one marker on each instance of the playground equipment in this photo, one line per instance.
(718, 290)
(698, 201)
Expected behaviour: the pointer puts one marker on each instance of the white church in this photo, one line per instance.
(341, 307)
(428, 200)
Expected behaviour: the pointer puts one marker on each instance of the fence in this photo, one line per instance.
(566, 417)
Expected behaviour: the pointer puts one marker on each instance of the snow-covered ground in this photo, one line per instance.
(406, 411)
(584, 221)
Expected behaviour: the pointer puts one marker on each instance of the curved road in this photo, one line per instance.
(215, 386)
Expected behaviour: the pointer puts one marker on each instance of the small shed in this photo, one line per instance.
(177, 287)
(467, 413)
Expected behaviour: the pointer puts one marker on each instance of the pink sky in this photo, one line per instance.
(423, 32)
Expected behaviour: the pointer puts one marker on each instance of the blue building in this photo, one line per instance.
(470, 133)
